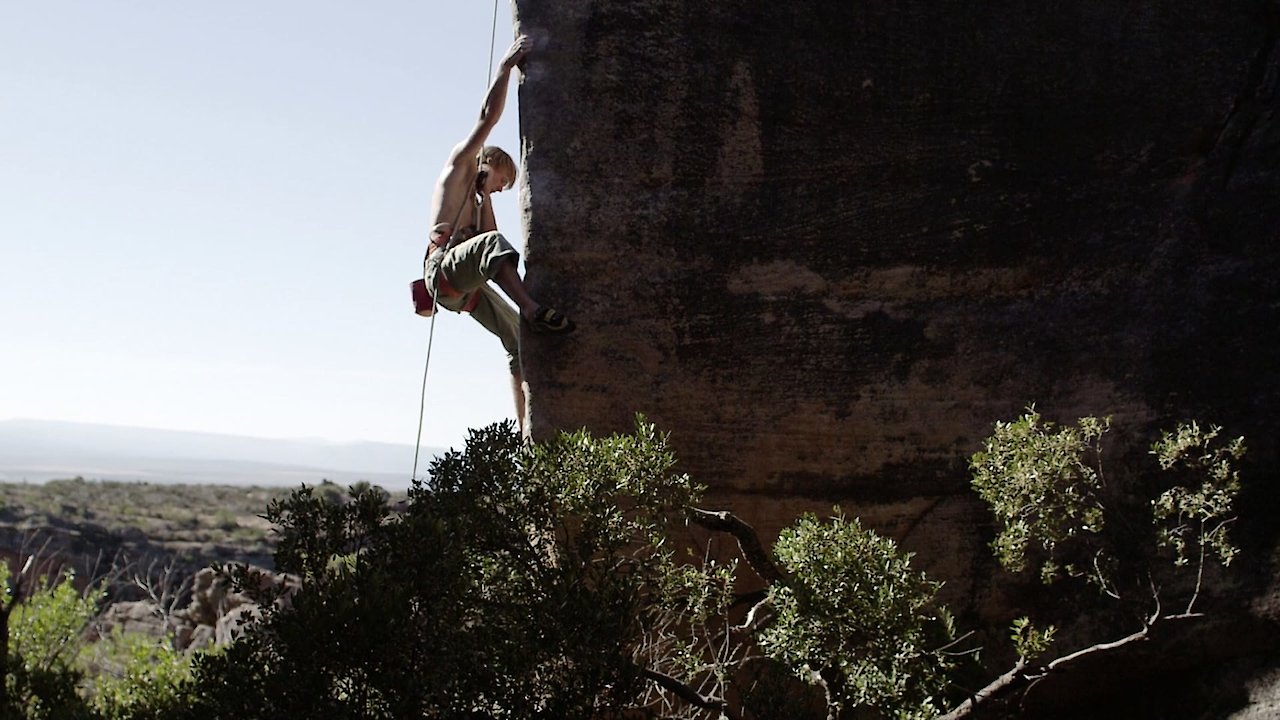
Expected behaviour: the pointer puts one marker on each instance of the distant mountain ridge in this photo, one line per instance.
(40, 450)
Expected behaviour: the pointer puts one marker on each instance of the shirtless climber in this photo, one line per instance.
(466, 250)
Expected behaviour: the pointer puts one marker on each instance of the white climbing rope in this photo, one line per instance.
(431, 288)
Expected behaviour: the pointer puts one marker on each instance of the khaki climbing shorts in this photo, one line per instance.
(468, 267)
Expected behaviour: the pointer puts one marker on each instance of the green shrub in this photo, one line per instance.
(858, 620)
(510, 587)
(138, 677)
(1043, 484)
(44, 622)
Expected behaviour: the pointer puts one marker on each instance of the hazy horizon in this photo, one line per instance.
(37, 450)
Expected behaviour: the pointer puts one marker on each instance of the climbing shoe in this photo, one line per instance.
(549, 320)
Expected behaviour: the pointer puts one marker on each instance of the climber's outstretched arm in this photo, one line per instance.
(453, 187)
(494, 102)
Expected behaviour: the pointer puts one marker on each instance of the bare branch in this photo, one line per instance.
(748, 542)
(1069, 658)
(995, 688)
(1155, 595)
(1199, 574)
(1107, 586)
(1018, 676)
(686, 693)
(755, 617)
(946, 648)
(164, 588)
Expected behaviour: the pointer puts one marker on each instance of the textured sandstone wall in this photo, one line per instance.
(827, 244)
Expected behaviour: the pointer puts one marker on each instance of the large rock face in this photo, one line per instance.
(827, 244)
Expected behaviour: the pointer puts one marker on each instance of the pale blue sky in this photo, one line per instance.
(210, 213)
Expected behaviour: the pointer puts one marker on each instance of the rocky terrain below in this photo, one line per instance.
(88, 527)
(154, 547)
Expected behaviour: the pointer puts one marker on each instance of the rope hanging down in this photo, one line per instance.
(422, 403)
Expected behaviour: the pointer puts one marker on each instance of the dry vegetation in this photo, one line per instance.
(196, 525)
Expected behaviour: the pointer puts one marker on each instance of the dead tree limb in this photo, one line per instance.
(1020, 675)
(686, 693)
(748, 542)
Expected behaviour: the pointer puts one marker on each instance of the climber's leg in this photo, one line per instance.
(470, 264)
(499, 318)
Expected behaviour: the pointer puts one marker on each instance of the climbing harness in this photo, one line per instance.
(425, 298)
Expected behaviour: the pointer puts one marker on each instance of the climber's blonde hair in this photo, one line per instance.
(497, 159)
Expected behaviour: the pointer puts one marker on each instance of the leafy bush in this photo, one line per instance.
(1043, 489)
(510, 587)
(1045, 486)
(51, 673)
(42, 623)
(858, 620)
(1200, 508)
(547, 581)
(138, 677)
